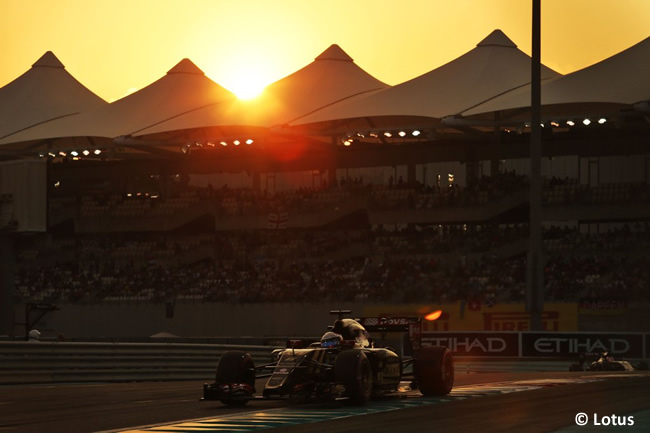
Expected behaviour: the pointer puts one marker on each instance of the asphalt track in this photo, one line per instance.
(488, 402)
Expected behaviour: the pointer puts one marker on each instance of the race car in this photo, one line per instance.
(344, 365)
(604, 361)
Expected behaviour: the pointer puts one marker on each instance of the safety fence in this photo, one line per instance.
(68, 362)
(50, 362)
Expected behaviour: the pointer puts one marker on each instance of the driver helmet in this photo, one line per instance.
(331, 340)
(34, 334)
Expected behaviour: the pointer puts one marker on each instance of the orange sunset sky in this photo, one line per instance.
(116, 47)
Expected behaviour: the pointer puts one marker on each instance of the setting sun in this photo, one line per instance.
(246, 84)
(248, 69)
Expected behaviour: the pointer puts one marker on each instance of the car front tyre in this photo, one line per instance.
(352, 369)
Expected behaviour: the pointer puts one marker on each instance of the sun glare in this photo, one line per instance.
(246, 84)
(249, 70)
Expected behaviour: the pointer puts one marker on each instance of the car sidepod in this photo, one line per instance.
(299, 373)
(386, 369)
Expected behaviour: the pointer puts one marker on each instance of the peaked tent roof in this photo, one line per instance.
(331, 77)
(622, 79)
(184, 88)
(45, 92)
(495, 66)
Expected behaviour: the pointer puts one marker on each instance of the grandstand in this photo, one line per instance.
(336, 206)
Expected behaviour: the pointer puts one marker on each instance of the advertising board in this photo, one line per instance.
(573, 344)
(540, 344)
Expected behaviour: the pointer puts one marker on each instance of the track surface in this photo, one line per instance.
(81, 408)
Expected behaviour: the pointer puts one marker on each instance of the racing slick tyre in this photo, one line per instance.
(237, 370)
(433, 368)
(352, 369)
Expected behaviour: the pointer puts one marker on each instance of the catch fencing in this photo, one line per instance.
(62, 362)
(73, 362)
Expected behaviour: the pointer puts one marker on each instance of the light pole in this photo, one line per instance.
(535, 283)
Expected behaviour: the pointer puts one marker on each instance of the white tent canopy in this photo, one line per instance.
(495, 66)
(45, 92)
(331, 77)
(46, 108)
(623, 79)
(184, 88)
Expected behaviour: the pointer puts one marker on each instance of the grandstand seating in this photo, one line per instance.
(398, 263)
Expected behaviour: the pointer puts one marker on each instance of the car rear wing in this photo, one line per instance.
(388, 324)
(382, 324)
(410, 325)
(405, 324)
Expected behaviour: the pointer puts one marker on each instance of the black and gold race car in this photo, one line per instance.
(343, 365)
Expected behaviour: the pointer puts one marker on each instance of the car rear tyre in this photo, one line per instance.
(352, 369)
(433, 368)
(236, 368)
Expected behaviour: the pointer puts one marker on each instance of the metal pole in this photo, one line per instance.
(535, 292)
(7, 313)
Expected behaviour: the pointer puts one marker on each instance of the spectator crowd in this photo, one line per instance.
(430, 264)
(410, 263)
